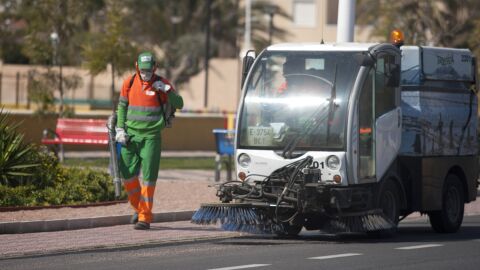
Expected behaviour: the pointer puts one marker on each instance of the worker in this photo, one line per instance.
(141, 118)
(303, 78)
(292, 68)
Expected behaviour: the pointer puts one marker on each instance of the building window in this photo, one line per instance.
(304, 13)
(332, 11)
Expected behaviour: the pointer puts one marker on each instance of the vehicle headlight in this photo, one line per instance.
(333, 162)
(244, 160)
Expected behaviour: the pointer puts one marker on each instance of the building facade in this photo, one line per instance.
(310, 21)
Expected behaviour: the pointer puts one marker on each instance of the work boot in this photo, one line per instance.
(134, 218)
(142, 226)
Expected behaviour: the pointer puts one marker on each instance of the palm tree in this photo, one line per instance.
(51, 34)
(435, 22)
(177, 28)
(111, 45)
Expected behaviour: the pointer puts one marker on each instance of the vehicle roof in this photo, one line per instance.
(347, 46)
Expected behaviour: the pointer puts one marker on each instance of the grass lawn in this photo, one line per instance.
(179, 163)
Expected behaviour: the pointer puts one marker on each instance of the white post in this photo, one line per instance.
(247, 34)
(346, 20)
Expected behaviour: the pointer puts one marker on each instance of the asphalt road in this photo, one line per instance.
(416, 246)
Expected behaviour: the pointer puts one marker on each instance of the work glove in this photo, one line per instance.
(121, 136)
(161, 86)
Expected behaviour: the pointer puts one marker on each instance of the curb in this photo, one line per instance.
(114, 247)
(84, 223)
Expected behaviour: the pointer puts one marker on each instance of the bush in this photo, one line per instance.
(23, 164)
(86, 185)
(49, 172)
(15, 162)
(31, 175)
(17, 196)
(74, 186)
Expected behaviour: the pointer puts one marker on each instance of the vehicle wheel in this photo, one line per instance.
(289, 230)
(450, 218)
(389, 202)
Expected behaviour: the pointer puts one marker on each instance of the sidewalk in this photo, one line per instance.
(177, 195)
(105, 238)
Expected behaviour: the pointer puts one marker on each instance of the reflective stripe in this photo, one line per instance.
(123, 99)
(147, 183)
(144, 199)
(131, 180)
(133, 191)
(143, 118)
(144, 108)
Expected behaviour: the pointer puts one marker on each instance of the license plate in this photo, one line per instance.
(260, 136)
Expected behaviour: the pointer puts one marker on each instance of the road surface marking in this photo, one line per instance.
(420, 246)
(241, 267)
(335, 256)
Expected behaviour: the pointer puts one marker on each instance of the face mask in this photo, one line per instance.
(146, 75)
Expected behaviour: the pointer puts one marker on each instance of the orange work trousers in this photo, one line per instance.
(141, 197)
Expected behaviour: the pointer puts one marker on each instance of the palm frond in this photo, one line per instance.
(15, 163)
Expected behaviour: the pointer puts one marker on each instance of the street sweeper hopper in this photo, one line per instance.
(351, 138)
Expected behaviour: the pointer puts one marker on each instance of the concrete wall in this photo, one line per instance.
(320, 28)
(223, 90)
(189, 133)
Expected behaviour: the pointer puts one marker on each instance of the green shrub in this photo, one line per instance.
(87, 185)
(49, 172)
(15, 163)
(73, 186)
(30, 175)
(17, 196)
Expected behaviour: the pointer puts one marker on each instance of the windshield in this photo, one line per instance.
(297, 100)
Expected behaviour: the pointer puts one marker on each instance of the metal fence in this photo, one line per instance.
(95, 93)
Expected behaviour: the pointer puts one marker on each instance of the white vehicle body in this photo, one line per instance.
(384, 127)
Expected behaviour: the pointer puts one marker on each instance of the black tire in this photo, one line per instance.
(450, 218)
(389, 201)
(289, 230)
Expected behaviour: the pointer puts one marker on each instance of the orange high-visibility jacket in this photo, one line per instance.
(139, 108)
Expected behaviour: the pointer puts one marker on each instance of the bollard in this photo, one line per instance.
(17, 89)
(29, 84)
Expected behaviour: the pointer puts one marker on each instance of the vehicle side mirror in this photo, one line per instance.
(247, 64)
(364, 59)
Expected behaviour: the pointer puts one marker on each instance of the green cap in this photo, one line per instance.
(146, 60)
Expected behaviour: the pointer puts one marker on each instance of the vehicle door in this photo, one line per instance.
(379, 118)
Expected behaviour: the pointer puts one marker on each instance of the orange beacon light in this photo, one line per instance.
(396, 37)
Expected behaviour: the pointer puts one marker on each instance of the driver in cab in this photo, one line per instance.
(293, 68)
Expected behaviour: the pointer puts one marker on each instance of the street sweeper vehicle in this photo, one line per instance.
(351, 137)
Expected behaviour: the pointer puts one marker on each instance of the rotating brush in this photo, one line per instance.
(242, 217)
(372, 221)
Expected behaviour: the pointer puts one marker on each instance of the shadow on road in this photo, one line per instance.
(192, 228)
(410, 231)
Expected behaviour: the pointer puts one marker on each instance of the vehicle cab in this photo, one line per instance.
(338, 103)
